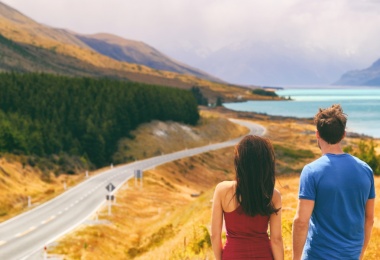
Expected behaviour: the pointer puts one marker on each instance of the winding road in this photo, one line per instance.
(22, 236)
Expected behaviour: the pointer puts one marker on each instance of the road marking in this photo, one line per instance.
(2, 242)
(47, 220)
(25, 232)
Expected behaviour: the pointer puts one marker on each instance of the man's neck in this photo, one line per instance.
(331, 148)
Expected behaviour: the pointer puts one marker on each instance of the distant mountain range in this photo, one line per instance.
(138, 52)
(367, 77)
(272, 63)
(28, 46)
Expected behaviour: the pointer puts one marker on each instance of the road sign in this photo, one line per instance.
(110, 197)
(110, 187)
(138, 174)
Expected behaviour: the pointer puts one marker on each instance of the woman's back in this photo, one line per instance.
(247, 236)
(249, 205)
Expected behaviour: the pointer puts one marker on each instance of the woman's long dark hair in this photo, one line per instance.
(255, 175)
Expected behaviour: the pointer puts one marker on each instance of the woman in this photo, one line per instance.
(248, 205)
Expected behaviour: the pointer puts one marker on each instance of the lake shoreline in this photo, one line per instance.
(362, 106)
(265, 116)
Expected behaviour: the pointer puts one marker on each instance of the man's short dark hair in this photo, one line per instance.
(331, 123)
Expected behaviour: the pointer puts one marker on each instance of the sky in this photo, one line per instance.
(343, 27)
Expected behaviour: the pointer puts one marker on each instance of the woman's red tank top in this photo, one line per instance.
(247, 236)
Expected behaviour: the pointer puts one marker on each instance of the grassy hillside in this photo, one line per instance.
(19, 181)
(21, 57)
(172, 224)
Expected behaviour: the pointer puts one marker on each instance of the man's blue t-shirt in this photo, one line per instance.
(339, 185)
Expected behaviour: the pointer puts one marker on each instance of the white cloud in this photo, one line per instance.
(213, 22)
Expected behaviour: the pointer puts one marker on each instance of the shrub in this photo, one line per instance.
(154, 240)
(293, 153)
(201, 241)
(366, 152)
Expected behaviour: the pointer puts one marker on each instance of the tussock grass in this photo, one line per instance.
(18, 181)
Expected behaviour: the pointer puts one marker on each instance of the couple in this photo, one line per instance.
(335, 211)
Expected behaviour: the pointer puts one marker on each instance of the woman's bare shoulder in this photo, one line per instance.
(276, 198)
(225, 185)
(225, 190)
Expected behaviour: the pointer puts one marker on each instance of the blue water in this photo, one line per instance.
(362, 106)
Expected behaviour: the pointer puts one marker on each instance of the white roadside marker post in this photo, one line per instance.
(110, 187)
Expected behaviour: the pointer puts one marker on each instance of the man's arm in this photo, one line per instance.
(369, 220)
(301, 226)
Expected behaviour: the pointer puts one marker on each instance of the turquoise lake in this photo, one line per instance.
(362, 106)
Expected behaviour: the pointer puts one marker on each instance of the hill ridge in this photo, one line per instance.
(365, 77)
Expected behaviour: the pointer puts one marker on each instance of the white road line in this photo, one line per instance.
(25, 232)
(49, 219)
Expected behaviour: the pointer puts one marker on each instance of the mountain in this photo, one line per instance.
(271, 63)
(367, 77)
(28, 46)
(138, 52)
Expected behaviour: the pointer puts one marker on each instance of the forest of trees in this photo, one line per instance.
(43, 114)
(263, 92)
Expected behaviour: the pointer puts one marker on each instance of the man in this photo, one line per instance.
(335, 211)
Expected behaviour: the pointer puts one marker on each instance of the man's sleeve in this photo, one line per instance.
(307, 189)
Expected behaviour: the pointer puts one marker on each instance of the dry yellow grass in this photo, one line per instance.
(18, 182)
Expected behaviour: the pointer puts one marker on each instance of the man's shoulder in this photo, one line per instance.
(326, 159)
(316, 162)
(358, 160)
